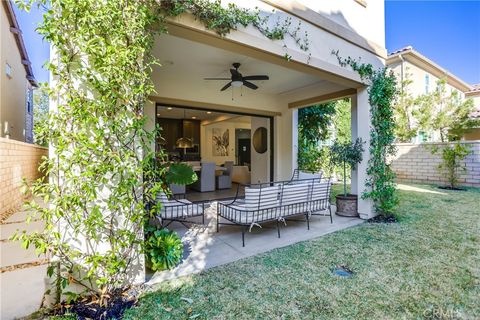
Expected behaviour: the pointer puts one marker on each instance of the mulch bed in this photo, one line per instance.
(89, 308)
(383, 219)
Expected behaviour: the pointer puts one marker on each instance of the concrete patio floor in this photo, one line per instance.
(205, 248)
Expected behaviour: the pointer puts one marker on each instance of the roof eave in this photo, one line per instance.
(451, 78)
(17, 33)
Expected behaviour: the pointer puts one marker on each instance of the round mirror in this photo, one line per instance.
(260, 140)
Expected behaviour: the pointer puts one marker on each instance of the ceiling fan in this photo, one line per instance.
(237, 80)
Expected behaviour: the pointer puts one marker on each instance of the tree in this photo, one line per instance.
(40, 116)
(447, 114)
(313, 126)
(342, 126)
(403, 109)
(347, 154)
(452, 156)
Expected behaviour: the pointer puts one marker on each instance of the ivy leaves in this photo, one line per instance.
(382, 96)
(223, 19)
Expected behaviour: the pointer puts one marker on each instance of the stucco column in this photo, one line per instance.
(353, 125)
(294, 139)
(361, 129)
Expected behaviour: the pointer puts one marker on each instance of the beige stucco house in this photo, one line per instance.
(189, 53)
(407, 63)
(16, 81)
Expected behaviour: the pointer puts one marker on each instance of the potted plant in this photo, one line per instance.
(346, 154)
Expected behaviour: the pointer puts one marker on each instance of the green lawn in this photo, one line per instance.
(425, 266)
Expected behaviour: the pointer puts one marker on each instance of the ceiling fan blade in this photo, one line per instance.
(216, 79)
(249, 85)
(226, 86)
(259, 77)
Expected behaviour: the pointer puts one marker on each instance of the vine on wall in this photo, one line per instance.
(382, 93)
(223, 20)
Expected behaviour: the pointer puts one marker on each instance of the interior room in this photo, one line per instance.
(218, 146)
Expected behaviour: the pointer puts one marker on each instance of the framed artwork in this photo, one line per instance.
(220, 142)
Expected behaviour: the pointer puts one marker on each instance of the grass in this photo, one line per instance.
(425, 266)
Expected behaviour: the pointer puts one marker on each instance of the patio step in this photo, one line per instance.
(23, 274)
(22, 291)
(12, 253)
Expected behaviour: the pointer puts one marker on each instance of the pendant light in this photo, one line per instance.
(184, 142)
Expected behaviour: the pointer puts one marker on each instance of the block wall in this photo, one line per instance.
(416, 163)
(18, 160)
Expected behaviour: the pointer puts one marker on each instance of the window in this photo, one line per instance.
(422, 136)
(8, 70)
(29, 107)
(427, 83)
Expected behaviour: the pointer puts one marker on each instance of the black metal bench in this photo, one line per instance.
(180, 210)
(276, 202)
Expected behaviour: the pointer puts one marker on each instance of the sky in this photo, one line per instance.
(38, 50)
(447, 32)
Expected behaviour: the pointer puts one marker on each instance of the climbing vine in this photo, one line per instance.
(104, 176)
(223, 19)
(382, 93)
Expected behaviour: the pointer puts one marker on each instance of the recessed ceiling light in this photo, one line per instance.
(194, 117)
(158, 114)
(209, 112)
(169, 108)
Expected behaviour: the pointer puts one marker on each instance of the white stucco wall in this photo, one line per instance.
(368, 21)
(206, 145)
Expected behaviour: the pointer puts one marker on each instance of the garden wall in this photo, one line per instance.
(416, 163)
(18, 160)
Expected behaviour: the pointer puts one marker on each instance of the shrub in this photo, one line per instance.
(452, 155)
(163, 249)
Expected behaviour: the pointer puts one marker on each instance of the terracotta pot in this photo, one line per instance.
(347, 205)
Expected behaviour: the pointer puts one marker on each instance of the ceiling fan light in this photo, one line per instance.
(237, 84)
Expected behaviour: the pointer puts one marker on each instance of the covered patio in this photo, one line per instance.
(189, 54)
(204, 248)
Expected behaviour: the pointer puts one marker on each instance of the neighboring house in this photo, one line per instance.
(16, 81)
(407, 63)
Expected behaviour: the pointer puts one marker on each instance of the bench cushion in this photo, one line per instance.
(295, 193)
(309, 175)
(262, 198)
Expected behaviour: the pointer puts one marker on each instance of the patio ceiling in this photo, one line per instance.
(196, 114)
(187, 62)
